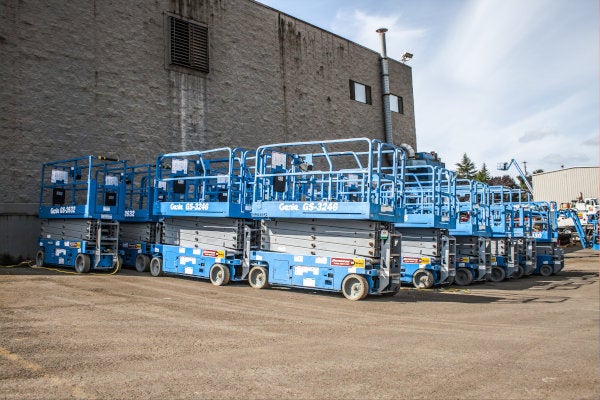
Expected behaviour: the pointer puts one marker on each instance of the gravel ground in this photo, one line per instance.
(134, 336)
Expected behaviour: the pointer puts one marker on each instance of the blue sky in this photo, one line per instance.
(497, 79)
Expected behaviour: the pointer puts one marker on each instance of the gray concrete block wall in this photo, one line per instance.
(90, 77)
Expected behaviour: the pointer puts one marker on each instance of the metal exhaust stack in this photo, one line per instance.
(385, 79)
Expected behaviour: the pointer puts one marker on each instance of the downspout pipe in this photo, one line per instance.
(385, 80)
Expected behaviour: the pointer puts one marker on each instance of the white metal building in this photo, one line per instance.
(567, 184)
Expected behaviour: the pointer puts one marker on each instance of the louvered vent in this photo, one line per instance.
(189, 44)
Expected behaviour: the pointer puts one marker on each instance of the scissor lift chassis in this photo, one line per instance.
(62, 240)
(427, 249)
(321, 253)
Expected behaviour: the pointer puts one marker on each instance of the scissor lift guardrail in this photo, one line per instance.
(81, 202)
(428, 251)
(348, 178)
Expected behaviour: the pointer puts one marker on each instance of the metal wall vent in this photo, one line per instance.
(189, 44)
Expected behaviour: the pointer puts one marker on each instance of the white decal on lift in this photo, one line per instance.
(258, 258)
(352, 270)
(197, 252)
(321, 260)
(186, 260)
(310, 282)
(60, 252)
(57, 243)
(482, 267)
(181, 250)
(301, 270)
(67, 244)
(386, 208)
(296, 258)
(188, 270)
(61, 260)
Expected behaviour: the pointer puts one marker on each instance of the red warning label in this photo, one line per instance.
(342, 262)
(411, 260)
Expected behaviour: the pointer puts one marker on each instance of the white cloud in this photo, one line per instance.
(360, 27)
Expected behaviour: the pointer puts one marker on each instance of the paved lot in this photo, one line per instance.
(134, 336)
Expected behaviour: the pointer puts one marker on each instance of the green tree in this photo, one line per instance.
(504, 180)
(483, 175)
(465, 168)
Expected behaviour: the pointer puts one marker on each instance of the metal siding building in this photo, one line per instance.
(120, 79)
(567, 184)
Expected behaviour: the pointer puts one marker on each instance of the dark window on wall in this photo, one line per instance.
(188, 44)
(360, 92)
(396, 104)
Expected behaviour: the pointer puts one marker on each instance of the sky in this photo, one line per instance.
(495, 79)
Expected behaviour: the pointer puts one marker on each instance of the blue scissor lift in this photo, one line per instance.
(326, 211)
(513, 247)
(472, 233)
(203, 200)
(81, 203)
(140, 227)
(549, 257)
(428, 250)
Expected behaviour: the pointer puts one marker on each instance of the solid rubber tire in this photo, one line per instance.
(546, 270)
(82, 263)
(463, 277)
(518, 274)
(142, 263)
(497, 274)
(219, 275)
(355, 287)
(423, 279)
(258, 277)
(39, 258)
(156, 265)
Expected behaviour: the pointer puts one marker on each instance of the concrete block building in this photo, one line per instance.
(135, 79)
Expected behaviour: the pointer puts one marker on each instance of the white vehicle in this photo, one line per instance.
(586, 210)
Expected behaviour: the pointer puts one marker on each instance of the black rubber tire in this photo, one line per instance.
(219, 275)
(498, 274)
(258, 277)
(423, 279)
(463, 277)
(156, 266)
(546, 270)
(518, 274)
(82, 263)
(142, 263)
(39, 258)
(355, 287)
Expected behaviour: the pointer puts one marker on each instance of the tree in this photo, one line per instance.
(466, 168)
(483, 175)
(504, 180)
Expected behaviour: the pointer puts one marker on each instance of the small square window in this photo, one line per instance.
(396, 104)
(360, 92)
